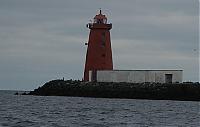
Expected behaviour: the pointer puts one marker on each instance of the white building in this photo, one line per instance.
(136, 76)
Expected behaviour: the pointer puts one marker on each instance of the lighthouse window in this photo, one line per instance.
(103, 39)
(103, 34)
(99, 21)
(95, 20)
(103, 44)
(104, 21)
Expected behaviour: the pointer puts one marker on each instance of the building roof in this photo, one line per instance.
(144, 70)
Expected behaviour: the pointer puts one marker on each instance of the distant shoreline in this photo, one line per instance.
(153, 91)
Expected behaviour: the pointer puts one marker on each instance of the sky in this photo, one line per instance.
(42, 40)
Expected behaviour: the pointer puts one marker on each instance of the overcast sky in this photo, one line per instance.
(41, 40)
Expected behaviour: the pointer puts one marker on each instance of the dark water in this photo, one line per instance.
(39, 111)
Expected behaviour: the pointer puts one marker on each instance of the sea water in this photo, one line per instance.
(57, 111)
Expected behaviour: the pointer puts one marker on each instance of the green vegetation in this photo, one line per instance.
(175, 91)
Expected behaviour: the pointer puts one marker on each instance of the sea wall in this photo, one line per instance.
(175, 91)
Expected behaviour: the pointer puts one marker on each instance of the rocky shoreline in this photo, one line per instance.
(155, 91)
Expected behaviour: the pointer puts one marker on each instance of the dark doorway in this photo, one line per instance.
(168, 78)
(94, 75)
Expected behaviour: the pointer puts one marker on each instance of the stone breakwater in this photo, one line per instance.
(155, 91)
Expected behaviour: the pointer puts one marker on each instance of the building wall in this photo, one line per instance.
(137, 76)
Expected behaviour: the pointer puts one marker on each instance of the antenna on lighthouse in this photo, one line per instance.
(99, 10)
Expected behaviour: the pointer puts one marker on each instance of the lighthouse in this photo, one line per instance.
(99, 52)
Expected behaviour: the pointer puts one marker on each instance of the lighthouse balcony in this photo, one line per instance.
(99, 26)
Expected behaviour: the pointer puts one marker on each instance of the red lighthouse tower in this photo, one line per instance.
(99, 53)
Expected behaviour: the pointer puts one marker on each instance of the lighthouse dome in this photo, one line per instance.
(100, 18)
